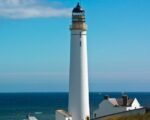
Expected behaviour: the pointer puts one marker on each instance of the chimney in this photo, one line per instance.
(106, 97)
(125, 100)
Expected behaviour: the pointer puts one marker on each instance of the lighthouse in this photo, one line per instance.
(78, 78)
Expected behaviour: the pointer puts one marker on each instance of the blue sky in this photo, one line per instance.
(35, 45)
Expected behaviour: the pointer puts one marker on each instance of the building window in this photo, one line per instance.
(80, 34)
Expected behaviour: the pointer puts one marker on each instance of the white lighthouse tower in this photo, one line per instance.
(78, 79)
(78, 83)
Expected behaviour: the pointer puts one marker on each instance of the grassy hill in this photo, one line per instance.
(133, 117)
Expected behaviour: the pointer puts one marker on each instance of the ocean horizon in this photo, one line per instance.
(15, 106)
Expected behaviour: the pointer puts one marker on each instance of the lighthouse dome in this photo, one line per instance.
(78, 9)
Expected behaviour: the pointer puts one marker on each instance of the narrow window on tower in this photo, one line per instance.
(80, 43)
(80, 38)
(80, 34)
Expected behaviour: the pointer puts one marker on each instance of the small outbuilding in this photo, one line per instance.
(63, 115)
(110, 106)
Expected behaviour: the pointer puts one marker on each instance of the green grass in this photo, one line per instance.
(133, 117)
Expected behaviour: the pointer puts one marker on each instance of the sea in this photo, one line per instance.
(16, 106)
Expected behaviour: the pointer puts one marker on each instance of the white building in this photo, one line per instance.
(78, 79)
(62, 115)
(29, 117)
(112, 106)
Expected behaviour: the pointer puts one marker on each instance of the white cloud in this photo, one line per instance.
(24, 9)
